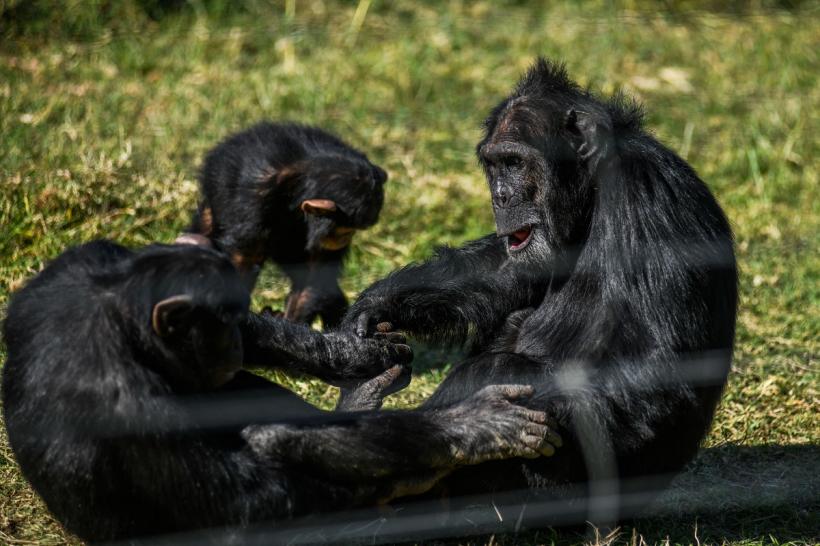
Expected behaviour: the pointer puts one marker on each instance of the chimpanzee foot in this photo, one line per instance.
(491, 425)
(370, 394)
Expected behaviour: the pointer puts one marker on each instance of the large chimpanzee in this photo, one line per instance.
(127, 410)
(610, 286)
(294, 194)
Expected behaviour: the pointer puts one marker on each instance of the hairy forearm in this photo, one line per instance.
(339, 358)
(275, 342)
(459, 295)
(358, 448)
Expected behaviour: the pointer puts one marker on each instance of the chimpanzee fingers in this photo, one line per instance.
(386, 354)
(546, 449)
(535, 429)
(528, 451)
(534, 416)
(384, 327)
(544, 423)
(536, 438)
(401, 354)
(363, 325)
(392, 337)
(533, 446)
(548, 440)
(554, 438)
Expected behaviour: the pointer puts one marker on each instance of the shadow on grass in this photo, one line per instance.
(735, 492)
(767, 494)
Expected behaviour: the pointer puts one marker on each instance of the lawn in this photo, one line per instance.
(107, 107)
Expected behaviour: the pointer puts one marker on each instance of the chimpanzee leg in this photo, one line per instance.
(315, 290)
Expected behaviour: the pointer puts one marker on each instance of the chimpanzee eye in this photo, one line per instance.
(511, 161)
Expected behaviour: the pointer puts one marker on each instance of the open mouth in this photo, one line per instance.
(520, 238)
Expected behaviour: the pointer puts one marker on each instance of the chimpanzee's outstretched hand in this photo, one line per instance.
(340, 358)
(355, 359)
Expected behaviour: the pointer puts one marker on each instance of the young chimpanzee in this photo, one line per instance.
(611, 286)
(293, 194)
(127, 410)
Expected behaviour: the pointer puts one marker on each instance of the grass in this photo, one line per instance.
(106, 109)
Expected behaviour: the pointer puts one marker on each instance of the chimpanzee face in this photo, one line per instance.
(540, 196)
(338, 196)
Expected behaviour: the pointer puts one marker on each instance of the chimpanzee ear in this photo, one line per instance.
(379, 174)
(318, 207)
(170, 314)
(589, 134)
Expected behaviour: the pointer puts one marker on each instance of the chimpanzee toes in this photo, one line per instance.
(404, 353)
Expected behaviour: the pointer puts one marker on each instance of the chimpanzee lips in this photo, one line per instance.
(520, 238)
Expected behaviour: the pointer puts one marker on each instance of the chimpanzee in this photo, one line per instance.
(294, 194)
(611, 286)
(128, 412)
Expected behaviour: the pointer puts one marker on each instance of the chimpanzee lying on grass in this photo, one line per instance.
(128, 412)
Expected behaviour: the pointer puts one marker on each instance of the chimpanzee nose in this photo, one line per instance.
(502, 195)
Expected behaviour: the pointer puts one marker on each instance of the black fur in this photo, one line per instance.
(619, 304)
(126, 409)
(253, 185)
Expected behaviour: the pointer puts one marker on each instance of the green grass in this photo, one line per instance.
(105, 113)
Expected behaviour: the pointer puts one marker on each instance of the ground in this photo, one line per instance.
(107, 107)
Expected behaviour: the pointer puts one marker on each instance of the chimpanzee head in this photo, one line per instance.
(338, 195)
(534, 152)
(189, 301)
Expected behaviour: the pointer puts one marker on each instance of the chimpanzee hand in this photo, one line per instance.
(491, 425)
(355, 359)
(370, 394)
(365, 315)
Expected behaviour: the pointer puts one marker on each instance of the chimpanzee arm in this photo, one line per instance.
(459, 295)
(355, 460)
(357, 448)
(340, 359)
